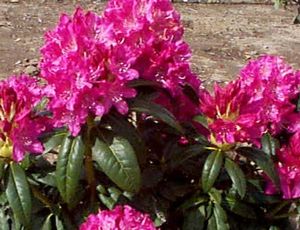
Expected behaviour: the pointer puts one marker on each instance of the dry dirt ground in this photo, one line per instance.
(222, 37)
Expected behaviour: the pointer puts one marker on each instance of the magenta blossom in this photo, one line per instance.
(288, 169)
(19, 129)
(120, 218)
(231, 115)
(275, 84)
(86, 70)
(88, 60)
(154, 27)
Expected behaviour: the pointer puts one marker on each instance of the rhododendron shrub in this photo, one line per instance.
(117, 132)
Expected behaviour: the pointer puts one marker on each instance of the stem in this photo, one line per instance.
(41, 197)
(283, 216)
(279, 207)
(89, 160)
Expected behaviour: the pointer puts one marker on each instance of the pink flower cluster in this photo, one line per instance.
(88, 60)
(83, 70)
(288, 169)
(19, 129)
(257, 102)
(120, 218)
(274, 84)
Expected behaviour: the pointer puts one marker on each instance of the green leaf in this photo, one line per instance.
(193, 202)
(69, 166)
(215, 196)
(48, 179)
(114, 193)
(194, 219)
(107, 201)
(59, 224)
(237, 176)
(55, 140)
(2, 168)
(211, 170)
(157, 111)
(4, 219)
(239, 208)
(118, 161)
(123, 128)
(189, 152)
(47, 223)
(18, 194)
(262, 160)
(212, 223)
(220, 217)
(268, 144)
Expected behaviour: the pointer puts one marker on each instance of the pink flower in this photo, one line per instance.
(288, 169)
(88, 60)
(275, 84)
(86, 69)
(231, 115)
(120, 218)
(155, 30)
(19, 129)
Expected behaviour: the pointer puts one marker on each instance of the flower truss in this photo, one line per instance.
(120, 218)
(260, 100)
(275, 84)
(87, 60)
(84, 71)
(19, 128)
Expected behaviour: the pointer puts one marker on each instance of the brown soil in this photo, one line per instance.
(223, 37)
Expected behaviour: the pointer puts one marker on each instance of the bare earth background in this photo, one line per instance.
(223, 37)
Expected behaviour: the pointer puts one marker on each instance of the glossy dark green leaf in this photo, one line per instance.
(18, 194)
(69, 166)
(237, 176)
(48, 179)
(268, 144)
(238, 207)
(220, 217)
(215, 196)
(157, 111)
(262, 160)
(212, 223)
(118, 161)
(193, 202)
(114, 193)
(189, 152)
(107, 201)
(55, 140)
(123, 128)
(194, 219)
(211, 170)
